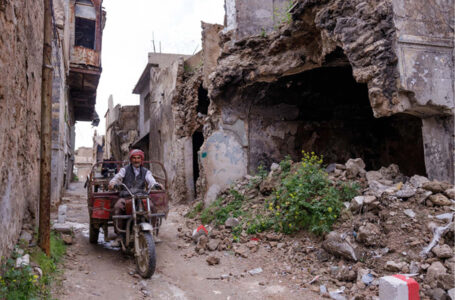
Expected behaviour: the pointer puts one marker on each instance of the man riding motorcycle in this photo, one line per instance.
(135, 177)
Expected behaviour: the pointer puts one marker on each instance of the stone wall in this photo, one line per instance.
(21, 40)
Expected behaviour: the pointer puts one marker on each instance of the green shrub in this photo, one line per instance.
(306, 198)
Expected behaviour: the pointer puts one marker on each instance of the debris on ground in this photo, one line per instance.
(394, 225)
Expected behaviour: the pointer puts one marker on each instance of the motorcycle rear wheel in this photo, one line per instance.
(146, 260)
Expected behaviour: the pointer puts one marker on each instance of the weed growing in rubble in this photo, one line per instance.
(306, 198)
(283, 15)
(17, 283)
(219, 213)
(197, 208)
(22, 282)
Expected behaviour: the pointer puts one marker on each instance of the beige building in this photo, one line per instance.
(83, 162)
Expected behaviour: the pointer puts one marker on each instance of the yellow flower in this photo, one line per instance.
(277, 214)
(290, 224)
(335, 216)
(277, 207)
(329, 209)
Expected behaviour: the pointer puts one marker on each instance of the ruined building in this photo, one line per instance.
(345, 79)
(369, 79)
(121, 129)
(76, 63)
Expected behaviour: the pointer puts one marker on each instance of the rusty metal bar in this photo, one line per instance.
(44, 229)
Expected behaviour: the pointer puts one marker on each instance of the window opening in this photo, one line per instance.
(85, 25)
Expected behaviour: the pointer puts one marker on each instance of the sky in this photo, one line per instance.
(127, 40)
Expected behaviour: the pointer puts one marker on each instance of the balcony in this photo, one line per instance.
(85, 59)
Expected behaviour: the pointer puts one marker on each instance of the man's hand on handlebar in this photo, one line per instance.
(110, 187)
(158, 186)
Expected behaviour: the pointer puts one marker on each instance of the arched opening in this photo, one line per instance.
(326, 111)
(198, 140)
(85, 24)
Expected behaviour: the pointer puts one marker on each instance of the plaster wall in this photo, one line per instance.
(164, 60)
(164, 146)
(253, 17)
(21, 37)
(438, 137)
(223, 160)
(425, 53)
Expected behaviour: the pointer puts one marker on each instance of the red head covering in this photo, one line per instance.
(136, 152)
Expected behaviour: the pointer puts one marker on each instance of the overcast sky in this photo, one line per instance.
(127, 38)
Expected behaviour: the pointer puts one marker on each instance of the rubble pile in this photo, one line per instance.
(397, 225)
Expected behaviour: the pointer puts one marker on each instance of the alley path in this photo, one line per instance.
(101, 272)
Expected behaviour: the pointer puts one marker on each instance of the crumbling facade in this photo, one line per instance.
(21, 55)
(342, 78)
(368, 79)
(121, 130)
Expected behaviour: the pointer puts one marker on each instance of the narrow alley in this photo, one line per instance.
(176, 276)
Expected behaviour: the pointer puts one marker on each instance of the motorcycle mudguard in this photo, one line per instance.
(146, 227)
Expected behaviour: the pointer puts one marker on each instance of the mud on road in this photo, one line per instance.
(103, 272)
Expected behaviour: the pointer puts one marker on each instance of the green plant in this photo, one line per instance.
(17, 283)
(259, 224)
(283, 15)
(197, 208)
(306, 198)
(285, 165)
(21, 283)
(220, 212)
(263, 32)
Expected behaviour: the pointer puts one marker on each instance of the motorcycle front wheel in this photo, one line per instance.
(146, 260)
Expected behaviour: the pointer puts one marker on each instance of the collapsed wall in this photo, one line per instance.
(370, 79)
(121, 130)
(21, 42)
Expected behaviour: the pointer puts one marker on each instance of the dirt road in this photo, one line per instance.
(102, 272)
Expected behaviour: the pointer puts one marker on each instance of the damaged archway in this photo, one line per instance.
(326, 111)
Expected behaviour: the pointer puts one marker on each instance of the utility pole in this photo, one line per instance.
(46, 131)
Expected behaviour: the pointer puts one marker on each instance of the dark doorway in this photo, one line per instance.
(198, 140)
(326, 111)
(203, 101)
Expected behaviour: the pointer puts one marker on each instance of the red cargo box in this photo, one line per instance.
(101, 208)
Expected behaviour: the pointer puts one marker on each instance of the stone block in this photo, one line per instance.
(398, 287)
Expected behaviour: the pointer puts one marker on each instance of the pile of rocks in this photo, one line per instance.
(398, 224)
